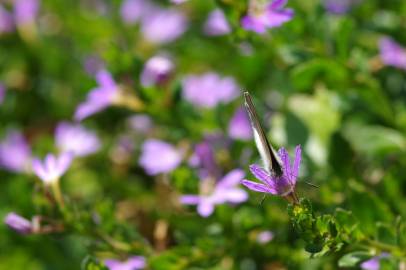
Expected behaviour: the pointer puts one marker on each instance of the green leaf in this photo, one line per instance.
(373, 140)
(305, 75)
(353, 258)
(92, 263)
(386, 234)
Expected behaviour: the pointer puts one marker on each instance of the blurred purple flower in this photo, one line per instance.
(132, 11)
(6, 21)
(209, 89)
(18, 223)
(100, 97)
(122, 150)
(93, 64)
(163, 25)
(269, 15)
(178, 1)
(226, 190)
(76, 139)
(240, 127)
(374, 262)
(133, 263)
(339, 7)
(282, 185)
(25, 11)
(204, 159)
(217, 24)
(2, 92)
(15, 153)
(156, 71)
(392, 54)
(141, 123)
(52, 168)
(265, 237)
(159, 157)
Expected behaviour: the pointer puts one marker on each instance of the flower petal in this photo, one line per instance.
(284, 155)
(189, 199)
(258, 187)
(205, 208)
(235, 195)
(64, 162)
(231, 179)
(278, 4)
(296, 164)
(262, 175)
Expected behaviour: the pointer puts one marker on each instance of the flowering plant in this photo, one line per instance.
(127, 140)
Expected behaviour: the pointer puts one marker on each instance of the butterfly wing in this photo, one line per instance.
(267, 153)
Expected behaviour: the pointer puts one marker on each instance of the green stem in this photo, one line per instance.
(57, 193)
(384, 247)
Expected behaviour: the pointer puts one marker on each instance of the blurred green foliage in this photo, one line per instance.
(318, 81)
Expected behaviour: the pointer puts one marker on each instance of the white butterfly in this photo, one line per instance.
(268, 155)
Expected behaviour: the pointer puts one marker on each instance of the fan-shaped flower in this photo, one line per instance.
(282, 185)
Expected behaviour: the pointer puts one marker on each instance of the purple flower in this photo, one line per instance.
(25, 11)
(163, 26)
(100, 97)
(203, 158)
(15, 153)
(269, 15)
(211, 194)
(141, 123)
(339, 7)
(133, 11)
(76, 139)
(240, 127)
(217, 24)
(18, 223)
(6, 21)
(2, 89)
(265, 237)
(178, 1)
(209, 89)
(374, 262)
(93, 64)
(52, 168)
(133, 263)
(159, 157)
(392, 54)
(282, 185)
(156, 71)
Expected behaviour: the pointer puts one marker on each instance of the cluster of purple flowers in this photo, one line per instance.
(205, 91)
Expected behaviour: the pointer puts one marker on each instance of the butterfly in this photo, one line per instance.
(268, 155)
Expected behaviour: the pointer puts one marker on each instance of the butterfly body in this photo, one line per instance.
(268, 155)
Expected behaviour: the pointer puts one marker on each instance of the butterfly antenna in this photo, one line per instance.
(312, 185)
(262, 200)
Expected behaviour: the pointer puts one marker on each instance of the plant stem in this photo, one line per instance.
(58, 194)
